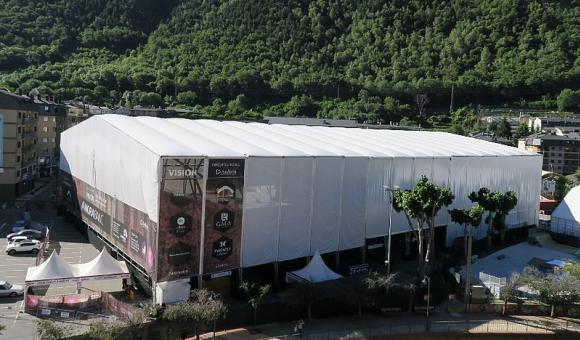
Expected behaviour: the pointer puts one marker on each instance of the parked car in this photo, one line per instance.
(32, 233)
(21, 225)
(19, 239)
(23, 247)
(8, 289)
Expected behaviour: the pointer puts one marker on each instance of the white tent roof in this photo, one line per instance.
(54, 268)
(103, 264)
(569, 208)
(316, 271)
(185, 137)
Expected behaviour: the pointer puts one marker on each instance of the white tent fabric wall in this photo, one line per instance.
(566, 216)
(305, 188)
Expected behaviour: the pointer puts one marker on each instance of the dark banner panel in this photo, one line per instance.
(223, 215)
(180, 218)
(129, 229)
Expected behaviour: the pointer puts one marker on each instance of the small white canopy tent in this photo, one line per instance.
(315, 271)
(566, 217)
(54, 269)
(104, 265)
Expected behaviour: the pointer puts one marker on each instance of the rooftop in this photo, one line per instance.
(210, 138)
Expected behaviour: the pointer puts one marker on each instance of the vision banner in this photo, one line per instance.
(180, 218)
(127, 228)
(223, 215)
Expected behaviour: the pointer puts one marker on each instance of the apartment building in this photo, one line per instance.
(51, 122)
(561, 154)
(18, 145)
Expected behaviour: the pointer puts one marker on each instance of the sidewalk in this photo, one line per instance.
(376, 326)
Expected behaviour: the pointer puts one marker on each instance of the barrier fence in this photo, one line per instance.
(77, 306)
(514, 326)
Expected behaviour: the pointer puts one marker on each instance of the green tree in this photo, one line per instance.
(50, 330)
(422, 203)
(188, 98)
(509, 293)
(202, 308)
(504, 129)
(522, 131)
(255, 293)
(104, 331)
(568, 100)
(573, 269)
(555, 290)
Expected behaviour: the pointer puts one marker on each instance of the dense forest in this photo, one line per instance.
(326, 58)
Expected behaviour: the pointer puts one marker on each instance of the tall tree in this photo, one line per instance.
(255, 293)
(422, 203)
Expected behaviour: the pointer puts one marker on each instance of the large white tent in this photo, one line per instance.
(305, 188)
(566, 216)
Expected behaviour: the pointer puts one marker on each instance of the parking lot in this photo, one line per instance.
(72, 247)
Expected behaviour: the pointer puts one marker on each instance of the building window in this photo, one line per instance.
(53, 140)
(18, 173)
(45, 140)
(19, 115)
(18, 144)
(45, 119)
(19, 129)
(45, 129)
(17, 159)
(54, 118)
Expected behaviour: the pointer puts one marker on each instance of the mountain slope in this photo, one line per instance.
(269, 51)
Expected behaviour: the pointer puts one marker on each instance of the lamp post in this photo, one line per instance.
(388, 241)
(427, 280)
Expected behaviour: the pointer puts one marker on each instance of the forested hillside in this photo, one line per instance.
(339, 58)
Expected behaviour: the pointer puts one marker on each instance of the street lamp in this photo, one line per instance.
(427, 280)
(390, 190)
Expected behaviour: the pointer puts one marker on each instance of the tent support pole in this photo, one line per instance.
(336, 259)
(241, 275)
(78, 287)
(363, 254)
(276, 276)
(199, 281)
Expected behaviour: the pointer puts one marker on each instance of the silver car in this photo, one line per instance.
(8, 289)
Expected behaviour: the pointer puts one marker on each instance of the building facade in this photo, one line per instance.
(18, 145)
(561, 154)
(51, 122)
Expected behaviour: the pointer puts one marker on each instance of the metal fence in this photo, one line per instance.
(514, 326)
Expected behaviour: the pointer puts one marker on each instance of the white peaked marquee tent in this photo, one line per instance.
(566, 217)
(56, 270)
(315, 271)
(305, 188)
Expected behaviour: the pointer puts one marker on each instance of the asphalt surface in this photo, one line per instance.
(69, 243)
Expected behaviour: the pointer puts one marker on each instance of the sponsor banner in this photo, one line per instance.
(180, 218)
(223, 215)
(226, 168)
(127, 228)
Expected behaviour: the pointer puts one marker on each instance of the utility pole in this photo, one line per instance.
(452, 98)
(468, 275)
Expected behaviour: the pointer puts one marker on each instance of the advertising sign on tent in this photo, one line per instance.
(127, 228)
(223, 215)
(180, 218)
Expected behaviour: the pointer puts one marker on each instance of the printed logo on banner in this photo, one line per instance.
(226, 168)
(225, 192)
(95, 215)
(223, 220)
(120, 232)
(180, 224)
(179, 254)
(222, 248)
